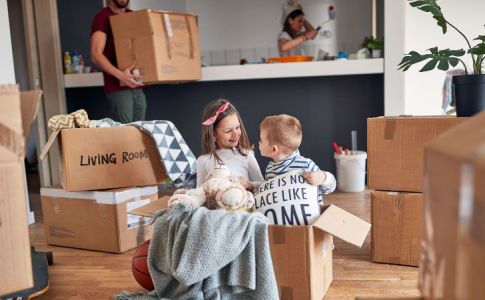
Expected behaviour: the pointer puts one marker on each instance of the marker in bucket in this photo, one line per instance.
(341, 150)
(354, 141)
(335, 148)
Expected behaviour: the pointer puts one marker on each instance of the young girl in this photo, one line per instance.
(224, 141)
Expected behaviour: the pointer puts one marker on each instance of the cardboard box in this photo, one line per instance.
(17, 111)
(396, 227)
(101, 158)
(302, 255)
(163, 46)
(96, 220)
(395, 147)
(453, 260)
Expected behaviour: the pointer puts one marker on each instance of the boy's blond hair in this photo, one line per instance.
(283, 131)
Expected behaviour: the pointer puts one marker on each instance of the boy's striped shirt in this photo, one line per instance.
(296, 161)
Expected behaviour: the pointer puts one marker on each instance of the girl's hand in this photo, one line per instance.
(315, 178)
(246, 184)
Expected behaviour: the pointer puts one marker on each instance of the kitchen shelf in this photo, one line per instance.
(261, 71)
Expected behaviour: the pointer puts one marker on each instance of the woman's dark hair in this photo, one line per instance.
(287, 26)
(208, 144)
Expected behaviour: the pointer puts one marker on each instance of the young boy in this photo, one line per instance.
(279, 140)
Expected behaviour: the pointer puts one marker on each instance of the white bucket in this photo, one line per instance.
(351, 171)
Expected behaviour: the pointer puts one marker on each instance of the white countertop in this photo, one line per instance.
(260, 71)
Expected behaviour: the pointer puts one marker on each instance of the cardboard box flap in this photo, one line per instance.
(342, 224)
(154, 206)
(29, 105)
(111, 196)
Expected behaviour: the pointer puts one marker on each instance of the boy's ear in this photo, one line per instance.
(274, 149)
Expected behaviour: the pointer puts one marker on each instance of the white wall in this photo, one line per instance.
(7, 71)
(423, 89)
(168, 5)
(394, 48)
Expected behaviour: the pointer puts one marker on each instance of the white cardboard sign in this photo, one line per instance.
(288, 199)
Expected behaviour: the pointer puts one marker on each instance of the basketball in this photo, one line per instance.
(139, 266)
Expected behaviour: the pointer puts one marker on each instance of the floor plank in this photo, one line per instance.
(81, 274)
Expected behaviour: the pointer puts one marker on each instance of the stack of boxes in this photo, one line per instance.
(395, 148)
(103, 178)
(17, 112)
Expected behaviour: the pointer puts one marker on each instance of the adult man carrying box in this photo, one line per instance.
(128, 103)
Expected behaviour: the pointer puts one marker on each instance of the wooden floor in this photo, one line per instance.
(81, 274)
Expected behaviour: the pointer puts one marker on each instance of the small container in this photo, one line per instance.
(351, 170)
(287, 59)
(87, 69)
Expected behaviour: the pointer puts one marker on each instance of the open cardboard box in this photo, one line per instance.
(101, 158)
(17, 112)
(302, 255)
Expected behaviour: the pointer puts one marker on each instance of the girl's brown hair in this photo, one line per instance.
(209, 146)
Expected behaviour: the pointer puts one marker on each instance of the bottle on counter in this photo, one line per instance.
(81, 64)
(75, 62)
(67, 63)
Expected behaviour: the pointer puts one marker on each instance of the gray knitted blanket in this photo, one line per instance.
(209, 254)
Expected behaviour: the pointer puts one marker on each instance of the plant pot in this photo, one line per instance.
(376, 53)
(469, 93)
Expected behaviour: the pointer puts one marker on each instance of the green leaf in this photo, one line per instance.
(445, 58)
(443, 65)
(434, 50)
(460, 52)
(432, 7)
(441, 23)
(428, 6)
(453, 61)
(480, 38)
(478, 49)
(429, 66)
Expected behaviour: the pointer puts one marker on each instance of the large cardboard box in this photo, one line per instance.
(395, 147)
(96, 220)
(17, 111)
(106, 158)
(302, 255)
(453, 260)
(163, 46)
(396, 227)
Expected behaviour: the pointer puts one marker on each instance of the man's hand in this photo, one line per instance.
(129, 79)
(246, 184)
(315, 178)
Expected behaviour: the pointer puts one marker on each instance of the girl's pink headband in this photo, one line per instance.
(211, 120)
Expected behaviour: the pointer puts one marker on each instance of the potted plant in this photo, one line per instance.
(375, 46)
(469, 90)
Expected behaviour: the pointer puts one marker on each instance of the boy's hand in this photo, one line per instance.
(246, 184)
(315, 178)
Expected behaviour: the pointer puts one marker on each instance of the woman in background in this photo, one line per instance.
(290, 39)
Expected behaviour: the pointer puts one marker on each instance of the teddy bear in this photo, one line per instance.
(220, 190)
